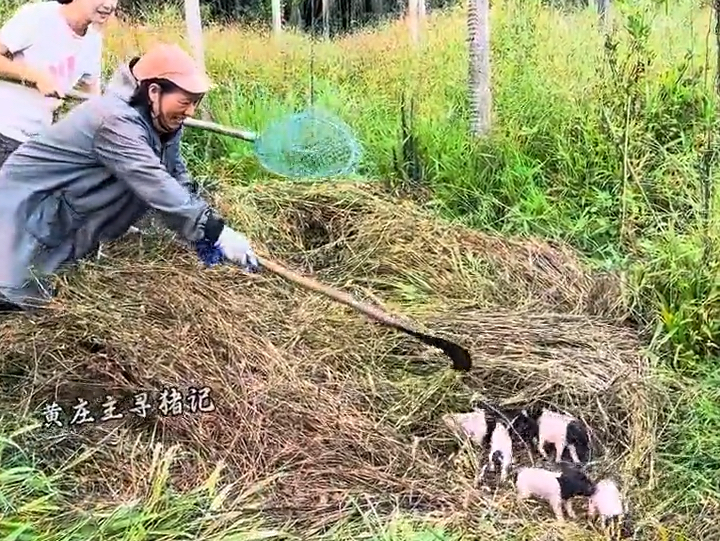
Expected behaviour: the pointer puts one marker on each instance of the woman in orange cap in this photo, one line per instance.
(97, 171)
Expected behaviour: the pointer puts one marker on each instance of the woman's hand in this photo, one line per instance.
(47, 85)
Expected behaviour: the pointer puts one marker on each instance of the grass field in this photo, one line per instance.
(598, 145)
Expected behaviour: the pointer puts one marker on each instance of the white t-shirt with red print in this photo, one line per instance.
(39, 36)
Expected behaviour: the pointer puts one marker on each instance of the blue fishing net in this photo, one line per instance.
(310, 144)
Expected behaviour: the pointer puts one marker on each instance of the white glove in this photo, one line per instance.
(236, 248)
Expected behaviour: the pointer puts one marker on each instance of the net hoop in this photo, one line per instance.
(310, 144)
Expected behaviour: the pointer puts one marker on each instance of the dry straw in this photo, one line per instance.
(313, 399)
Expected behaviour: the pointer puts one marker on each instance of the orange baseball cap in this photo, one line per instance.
(171, 62)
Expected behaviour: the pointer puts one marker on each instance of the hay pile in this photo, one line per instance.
(314, 402)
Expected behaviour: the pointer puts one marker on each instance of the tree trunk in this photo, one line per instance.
(421, 15)
(479, 76)
(296, 18)
(277, 17)
(603, 6)
(414, 21)
(193, 23)
(326, 18)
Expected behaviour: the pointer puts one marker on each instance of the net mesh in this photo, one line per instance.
(310, 144)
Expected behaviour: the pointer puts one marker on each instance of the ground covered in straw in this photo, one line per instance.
(319, 412)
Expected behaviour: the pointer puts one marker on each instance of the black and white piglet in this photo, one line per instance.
(557, 488)
(478, 424)
(547, 426)
(501, 452)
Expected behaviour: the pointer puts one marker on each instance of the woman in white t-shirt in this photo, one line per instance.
(54, 46)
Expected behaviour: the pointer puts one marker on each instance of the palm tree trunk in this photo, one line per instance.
(479, 76)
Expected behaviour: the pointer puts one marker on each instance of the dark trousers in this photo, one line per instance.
(6, 307)
(7, 147)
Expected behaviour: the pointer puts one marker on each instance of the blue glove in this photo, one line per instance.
(209, 254)
(230, 246)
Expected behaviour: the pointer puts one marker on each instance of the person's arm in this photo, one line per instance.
(121, 144)
(89, 85)
(180, 171)
(16, 35)
(90, 80)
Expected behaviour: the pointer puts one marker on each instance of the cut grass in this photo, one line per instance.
(316, 409)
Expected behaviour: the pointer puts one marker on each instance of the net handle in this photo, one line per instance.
(192, 122)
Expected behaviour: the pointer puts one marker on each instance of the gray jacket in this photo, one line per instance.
(87, 179)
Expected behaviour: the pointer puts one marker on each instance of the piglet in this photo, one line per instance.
(477, 425)
(605, 501)
(557, 488)
(551, 427)
(500, 450)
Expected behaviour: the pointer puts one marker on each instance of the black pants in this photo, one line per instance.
(7, 147)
